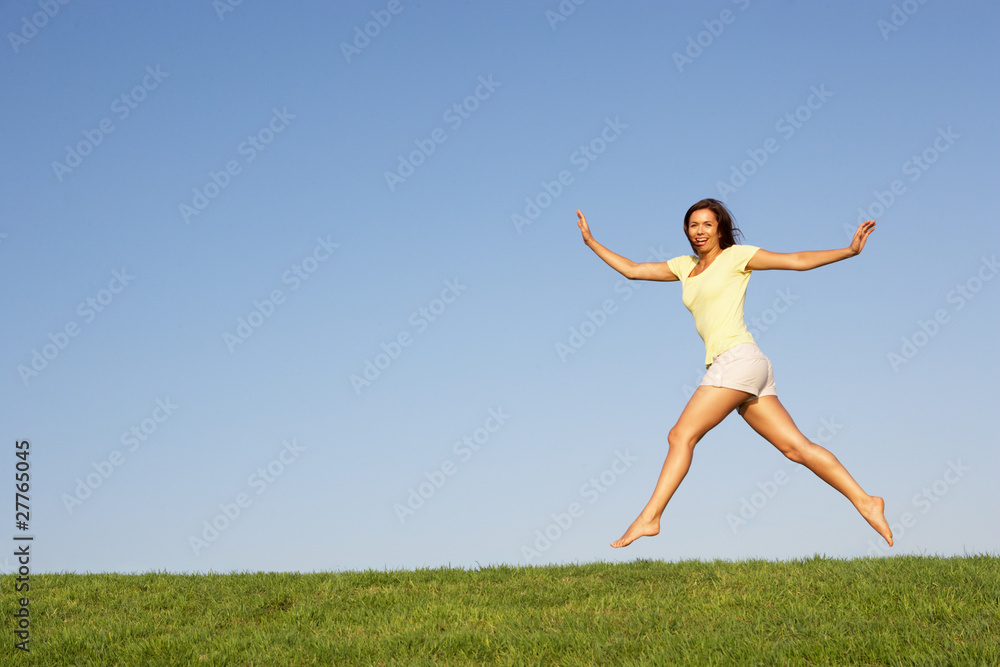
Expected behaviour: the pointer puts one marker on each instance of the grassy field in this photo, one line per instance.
(897, 611)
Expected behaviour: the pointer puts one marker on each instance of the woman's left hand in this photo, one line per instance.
(860, 236)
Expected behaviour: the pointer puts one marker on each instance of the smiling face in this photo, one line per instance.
(710, 227)
(703, 231)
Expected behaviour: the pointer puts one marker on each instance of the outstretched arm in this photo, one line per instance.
(810, 259)
(623, 265)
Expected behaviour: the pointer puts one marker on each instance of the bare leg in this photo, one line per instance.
(769, 418)
(707, 407)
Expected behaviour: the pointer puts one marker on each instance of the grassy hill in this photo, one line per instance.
(895, 611)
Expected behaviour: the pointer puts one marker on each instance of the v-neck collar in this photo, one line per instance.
(707, 267)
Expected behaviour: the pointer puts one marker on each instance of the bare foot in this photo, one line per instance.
(639, 528)
(874, 514)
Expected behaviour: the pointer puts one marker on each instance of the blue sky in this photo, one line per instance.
(292, 287)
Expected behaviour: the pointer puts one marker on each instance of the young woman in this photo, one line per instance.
(739, 376)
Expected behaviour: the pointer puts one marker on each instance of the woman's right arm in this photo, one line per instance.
(623, 265)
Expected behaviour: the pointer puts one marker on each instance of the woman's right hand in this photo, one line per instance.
(624, 265)
(584, 227)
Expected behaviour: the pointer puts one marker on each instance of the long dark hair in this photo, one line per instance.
(729, 233)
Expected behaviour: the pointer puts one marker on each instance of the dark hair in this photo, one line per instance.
(729, 233)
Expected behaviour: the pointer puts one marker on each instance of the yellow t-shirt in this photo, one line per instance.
(715, 297)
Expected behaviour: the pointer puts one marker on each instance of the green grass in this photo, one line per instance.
(896, 611)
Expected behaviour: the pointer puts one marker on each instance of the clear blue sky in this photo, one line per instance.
(215, 223)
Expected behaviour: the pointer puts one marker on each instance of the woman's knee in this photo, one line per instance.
(681, 439)
(795, 454)
(801, 452)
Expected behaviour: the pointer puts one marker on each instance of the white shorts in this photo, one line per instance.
(742, 367)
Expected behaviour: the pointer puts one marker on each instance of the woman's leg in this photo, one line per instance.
(768, 417)
(707, 407)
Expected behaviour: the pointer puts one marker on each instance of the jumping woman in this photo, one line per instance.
(714, 281)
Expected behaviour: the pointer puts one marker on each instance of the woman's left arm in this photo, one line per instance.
(764, 260)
